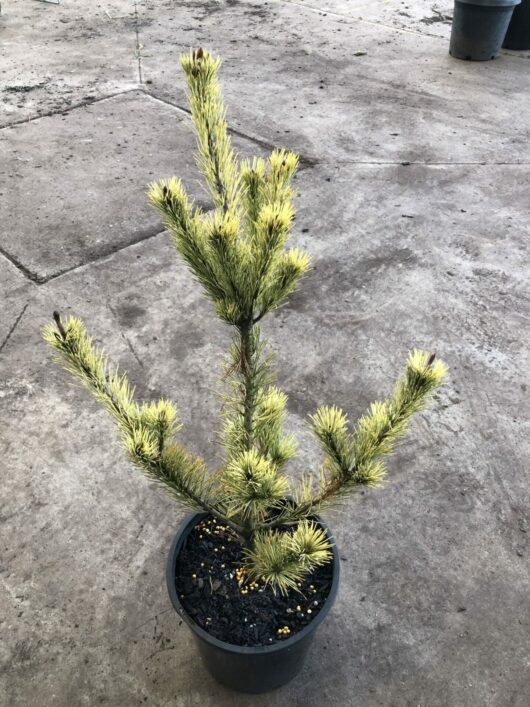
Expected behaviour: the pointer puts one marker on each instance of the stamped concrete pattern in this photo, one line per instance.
(413, 201)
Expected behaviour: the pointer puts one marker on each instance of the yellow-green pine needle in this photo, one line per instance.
(284, 558)
(358, 458)
(216, 159)
(253, 486)
(146, 429)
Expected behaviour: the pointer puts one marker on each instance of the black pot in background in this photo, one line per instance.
(248, 668)
(518, 34)
(479, 28)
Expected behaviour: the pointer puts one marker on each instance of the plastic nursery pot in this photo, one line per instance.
(518, 34)
(252, 669)
(479, 27)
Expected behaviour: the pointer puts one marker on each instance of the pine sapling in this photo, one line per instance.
(239, 254)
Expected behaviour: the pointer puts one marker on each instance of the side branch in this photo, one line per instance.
(357, 459)
(146, 429)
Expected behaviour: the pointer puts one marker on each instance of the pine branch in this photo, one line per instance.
(269, 418)
(253, 179)
(357, 459)
(190, 239)
(216, 159)
(283, 165)
(283, 558)
(253, 488)
(282, 280)
(266, 183)
(146, 430)
(330, 425)
(234, 258)
(272, 231)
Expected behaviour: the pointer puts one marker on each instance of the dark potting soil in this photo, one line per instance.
(208, 574)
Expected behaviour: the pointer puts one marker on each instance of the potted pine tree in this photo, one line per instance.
(254, 570)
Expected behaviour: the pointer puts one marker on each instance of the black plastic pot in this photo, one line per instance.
(518, 34)
(479, 28)
(248, 668)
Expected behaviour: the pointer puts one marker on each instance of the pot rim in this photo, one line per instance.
(490, 3)
(189, 522)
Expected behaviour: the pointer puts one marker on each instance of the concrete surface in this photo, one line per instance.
(91, 153)
(434, 600)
